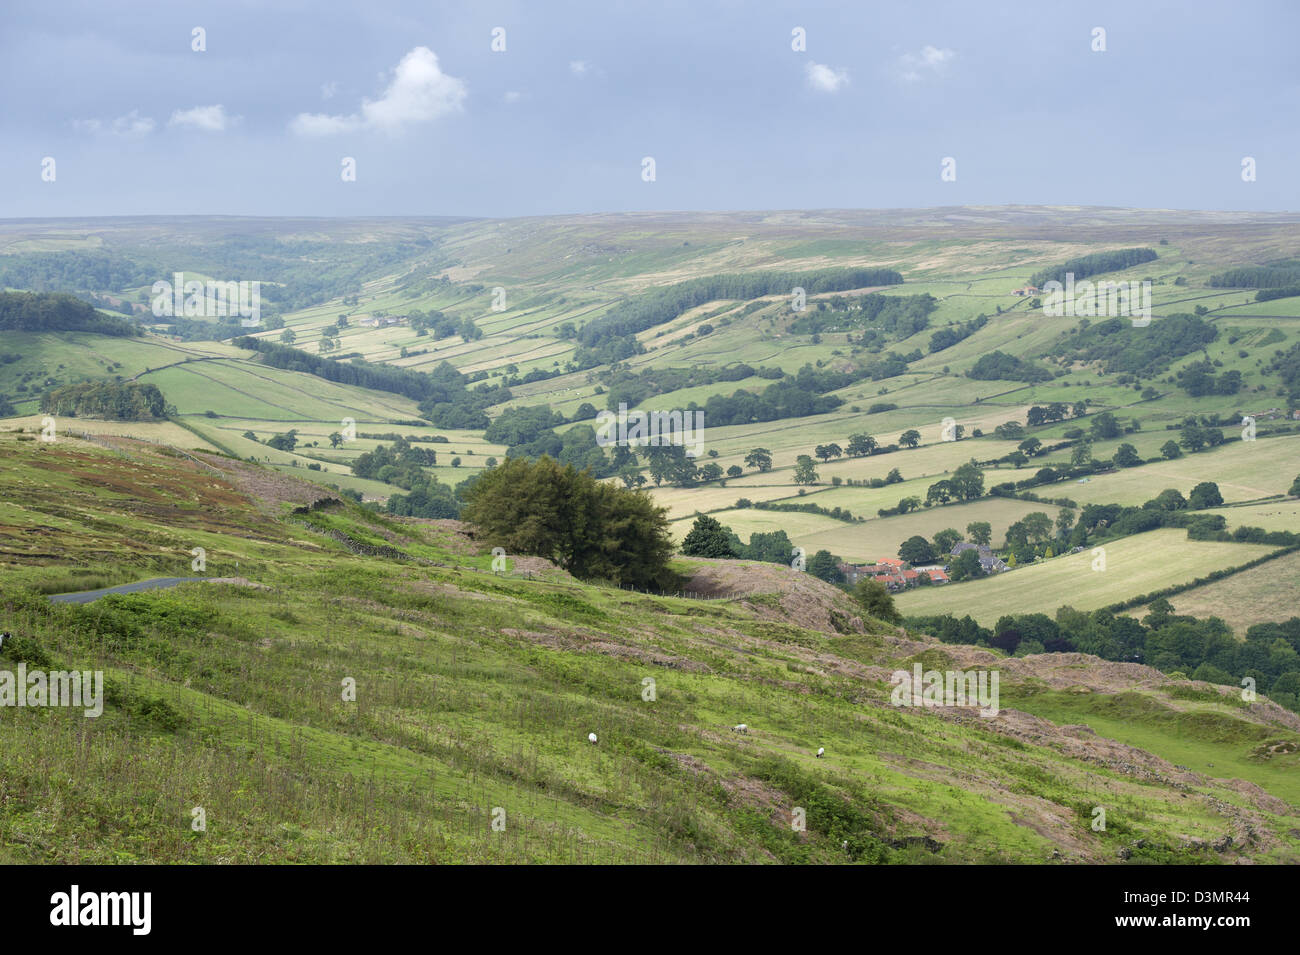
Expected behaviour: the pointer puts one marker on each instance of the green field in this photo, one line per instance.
(475, 694)
(1133, 565)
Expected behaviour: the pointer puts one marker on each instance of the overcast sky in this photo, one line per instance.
(439, 123)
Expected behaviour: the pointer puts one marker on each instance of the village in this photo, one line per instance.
(897, 574)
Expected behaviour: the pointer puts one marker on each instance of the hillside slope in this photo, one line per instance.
(475, 694)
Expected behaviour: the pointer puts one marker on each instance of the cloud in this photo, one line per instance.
(825, 79)
(931, 61)
(211, 119)
(327, 90)
(130, 125)
(513, 96)
(581, 68)
(419, 92)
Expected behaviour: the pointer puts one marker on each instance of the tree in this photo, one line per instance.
(760, 458)
(1010, 431)
(966, 566)
(916, 550)
(861, 445)
(805, 471)
(1081, 454)
(1170, 450)
(283, 442)
(910, 438)
(828, 451)
(1017, 458)
(945, 539)
(288, 337)
(1205, 494)
(335, 439)
(1030, 446)
(1192, 436)
(1295, 487)
(590, 528)
(708, 538)
(909, 504)
(711, 471)
(1170, 499)
(967, 482)
(1064, 521)
(1126, 456)
(876, 600)
(1104, 427)
(826, 566)
(735, 471)
(981, 532)
(328, 344)
(940, 492)
(894, 477)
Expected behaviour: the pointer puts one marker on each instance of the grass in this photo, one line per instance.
(473, 693)
(1133, 565)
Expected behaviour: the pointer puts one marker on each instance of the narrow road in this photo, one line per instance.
(86, 596)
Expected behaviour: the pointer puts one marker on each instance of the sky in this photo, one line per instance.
(561, 116)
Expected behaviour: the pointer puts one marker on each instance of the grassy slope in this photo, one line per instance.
(476, 691)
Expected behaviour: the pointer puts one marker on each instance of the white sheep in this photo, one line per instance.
(591, 737)
(741, 728)
(821, 751)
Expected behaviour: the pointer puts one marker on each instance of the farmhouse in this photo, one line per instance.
(383, 321)
(895, 574)
(989, 562)
(1027, 290)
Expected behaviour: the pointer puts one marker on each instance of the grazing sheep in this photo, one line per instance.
(741, 728)
(3, 637)
(821, 752)
(591, 737)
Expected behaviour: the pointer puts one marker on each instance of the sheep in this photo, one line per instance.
(3, 637)
(821, 751)
(741, 728)
(591, 737)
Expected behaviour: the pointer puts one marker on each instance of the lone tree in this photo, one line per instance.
(826, 565)
(708, 538)
(861, 445)
(910, 438)
(1126, 456)
(1205, 494)
(805, 471)
(1171, 450)
(946, 539)
(876, 600)
(828, 451)
(916, 550)
(592, 529)
(760, 458)
(981, 532)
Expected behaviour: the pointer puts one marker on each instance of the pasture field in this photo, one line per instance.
(1244, 471)
(1134, 565)
(1279, 515)
(881, 537)
(159, 432)
(1263, 594)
